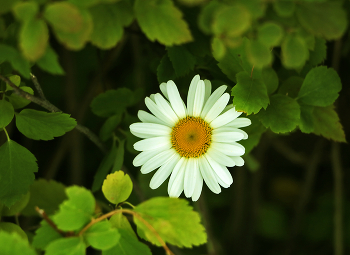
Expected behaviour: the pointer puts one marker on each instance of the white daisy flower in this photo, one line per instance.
(189, 144)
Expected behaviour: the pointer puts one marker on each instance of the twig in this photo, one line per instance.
(37, 86)
(52, 108)
(49, 221)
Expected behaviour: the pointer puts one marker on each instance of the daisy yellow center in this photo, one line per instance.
(191, 137)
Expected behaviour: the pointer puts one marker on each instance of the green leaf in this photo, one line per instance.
(17, 171)
(119, 159)
(183, 61)
(320, 87)
(7, 113)
(18, 101)
(284, 8)
(291, 86)
(258, 54)
(206, 16)
(15, 79)
(16, 207)
(25, 11)
(250, 95)
(66, 246)
(49, 62)
(47, 195)
(10, 54)
(230, 64)
(45, 235)
(10, 227)
(327, 124)
(108, 23)
(33, 39)
(75, 212)
(12, 243)
(319, 53)
(160, 20)
(85, 3)
(282, 115)
(112, 102)
(270, 34)
(306, 124)
(219, 48)
(128, 243)
(254, 131)
(117, 187)
(326, 19)
(173, 219)
(270, 79)
(40, 125)
(294, 51)
(102, 236)
(109, 126)
(165, 70)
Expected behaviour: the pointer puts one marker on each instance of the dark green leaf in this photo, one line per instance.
(206, 16)
(320, 87)
(77, 211)
(10, 227)
(10, 54)
(85, 3)
(291, 86)
(173, 219)
(165, 70)
(25, 11)
(230, 64)
(294, 51)
(17, 171)
(18, 101)
(7, 5)
(119, 159)
(160, 20)
(109, 126)
(319, 53)
(49, 62)
(270, 79)
(102, 236)
(183, 61)
(258, 54)
(45, 235)
(17, 207)
(117, 187)
(250, 95)
(284, 8)
(306, 124)
(12, 243)
(66, 246)
(40, 125)
(282, 115)
(7, 113)
(254, 131)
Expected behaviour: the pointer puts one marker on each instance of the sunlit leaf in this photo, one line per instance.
(66, 246)
(12, 243)
(102, 236)
(117, 187)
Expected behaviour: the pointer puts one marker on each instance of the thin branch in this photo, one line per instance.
(49, 221)
(52, 108)
(37, 86)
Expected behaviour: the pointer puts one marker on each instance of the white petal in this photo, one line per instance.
(153, 143)
(191, 94)
(175, 100)
(149, 118)
(198, 99)
(151, 105)
(163, 88)
(180, 164)
(152, 97)
(198, 189)
(217, 107)
(157, 161)
(225, 118)
(150, 129)
(177, 185)
(164, 171)
(229, 149)
(238, 160)
(207, 84)
(228, 107)
(239, 122)
(221, 157)
(191, 175)
(221, 183)
(165, 107)
(221, 171)
(227, 137)
(144, 156)
(229, 129)
(208, 175)
(212, 99)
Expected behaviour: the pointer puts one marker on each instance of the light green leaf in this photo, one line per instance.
(112, 102)
(117, 187)
(119, 159)
(10, 227)
(291, 86)
(109, 20)
(25, 11)
(102, 236)
(18, 101)
(85, 3)
(10, 54)
(40, 125)
(173, 219)
(206, 16)
(270, 79)
(66, 246)
(326, 19)
(33, 39)
(254, 131)
(327, 124)
(12, 243)
(306, 124)
(128, 243)
(258, 54)
(256, 8)
(15, 79)
(282, 115)
(77, 211)
(160, 20)
(45, 235)
(320, 87)
(49, 62)
(7, 113)
(219, 48)
(47, 195)
(294, 51)
(16, 207)
(270, 34)
(109, 126)
(183, 61)
(17, 172)
(284, 8)
(250, 95)
(165, 70)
